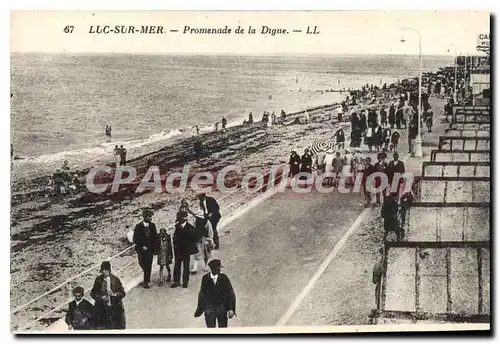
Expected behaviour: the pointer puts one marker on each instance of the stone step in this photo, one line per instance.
(442, 222)
(453, 190)
(470, 118)
(455, 169)
(460, 156)
(455, 143)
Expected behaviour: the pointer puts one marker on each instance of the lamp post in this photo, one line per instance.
(418, 139)
(456, 80)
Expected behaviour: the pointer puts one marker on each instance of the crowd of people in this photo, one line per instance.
(191, 242)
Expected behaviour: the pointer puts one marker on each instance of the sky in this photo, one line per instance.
(340, 32)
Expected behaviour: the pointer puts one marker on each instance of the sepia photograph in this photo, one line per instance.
(250, 172)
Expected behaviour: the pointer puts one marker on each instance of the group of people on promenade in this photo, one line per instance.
(190, 243)
(120, 155)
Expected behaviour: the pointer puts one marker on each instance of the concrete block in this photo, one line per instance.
(458, 191)
(466, 171)
(422, 224)
(480, 157)
(433, 171)
(432, 191)
(485, 271)
(450, 171)
(464, 280)
(483, 145)
(433, 294)
(477, 226)
(482, 171)
(400, 284)
(480, 191)
(451, 221)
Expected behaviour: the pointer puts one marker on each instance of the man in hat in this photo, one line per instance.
(146, 242)
(294, 163)
(216, 297)
(108, 293)
(389, 213)
(204, 241)
(80, 312)
(395, 166)
(184, 246)
(212, 212)
(378, 272)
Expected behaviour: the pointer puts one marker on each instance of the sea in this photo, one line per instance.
(61, 103)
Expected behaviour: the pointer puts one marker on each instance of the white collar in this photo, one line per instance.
(78, 302)
(214, 277)
(145, 224)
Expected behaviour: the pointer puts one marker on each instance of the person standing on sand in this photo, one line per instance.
(216, 297)
(116, 155)
(165, 255)
(198, 148)
(224, 123)
(197, 130)
(283, 116)
(123, 156)
(294, 163)
(307, 117)
(273, 118)
(250, 118)
(108, 293)
(146, 242)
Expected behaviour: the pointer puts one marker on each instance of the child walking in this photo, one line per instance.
(165, 255)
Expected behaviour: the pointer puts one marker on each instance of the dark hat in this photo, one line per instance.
(78, 290)
(214, 263)
(147, 212)
(105, 266)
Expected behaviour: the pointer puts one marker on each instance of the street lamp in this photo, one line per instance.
(456, 80)
(418, 139)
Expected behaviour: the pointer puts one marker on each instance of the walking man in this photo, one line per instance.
(378, 272)
(123, 156)
(80, 312)
(146, 242)
(116, 155)
(184, 247)
(212, 213)
(216, 297)
(389, 213)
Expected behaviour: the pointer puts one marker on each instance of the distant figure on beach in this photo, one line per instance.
(123, 156)
(108, 293)
(108, 132)
(80, 314)
(307, 116)
(224, 123)
(273, 118)
(294, 163)
(198, 148)
(116, 155)
(283, 116)
(216, 126)
(11, 150)
(265, 117)
(250, 118)
(197, 130)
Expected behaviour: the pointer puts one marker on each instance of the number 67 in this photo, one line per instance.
(69, 29)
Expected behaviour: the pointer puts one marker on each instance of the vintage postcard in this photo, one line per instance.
(250, 172)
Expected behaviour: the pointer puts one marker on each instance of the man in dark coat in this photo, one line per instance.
(378, 272)
(294, 163)
(146, 242)
(389, 213)
(368, 171)
(392, 116)
(108, 293)
(306, 162)
(212, 213)
(216, 297)
(80, 313)
(395, 166)
(340, 138)
(184, 246)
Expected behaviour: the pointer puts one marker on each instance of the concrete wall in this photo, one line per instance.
(471, 118)
(454, 191)
(461, 143)
(424, 274)
(455, 170)
(440, 224)
(468, 133)
(470, 126)
(460, 156)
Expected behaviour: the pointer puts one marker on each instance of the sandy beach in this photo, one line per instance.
(53, 239)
